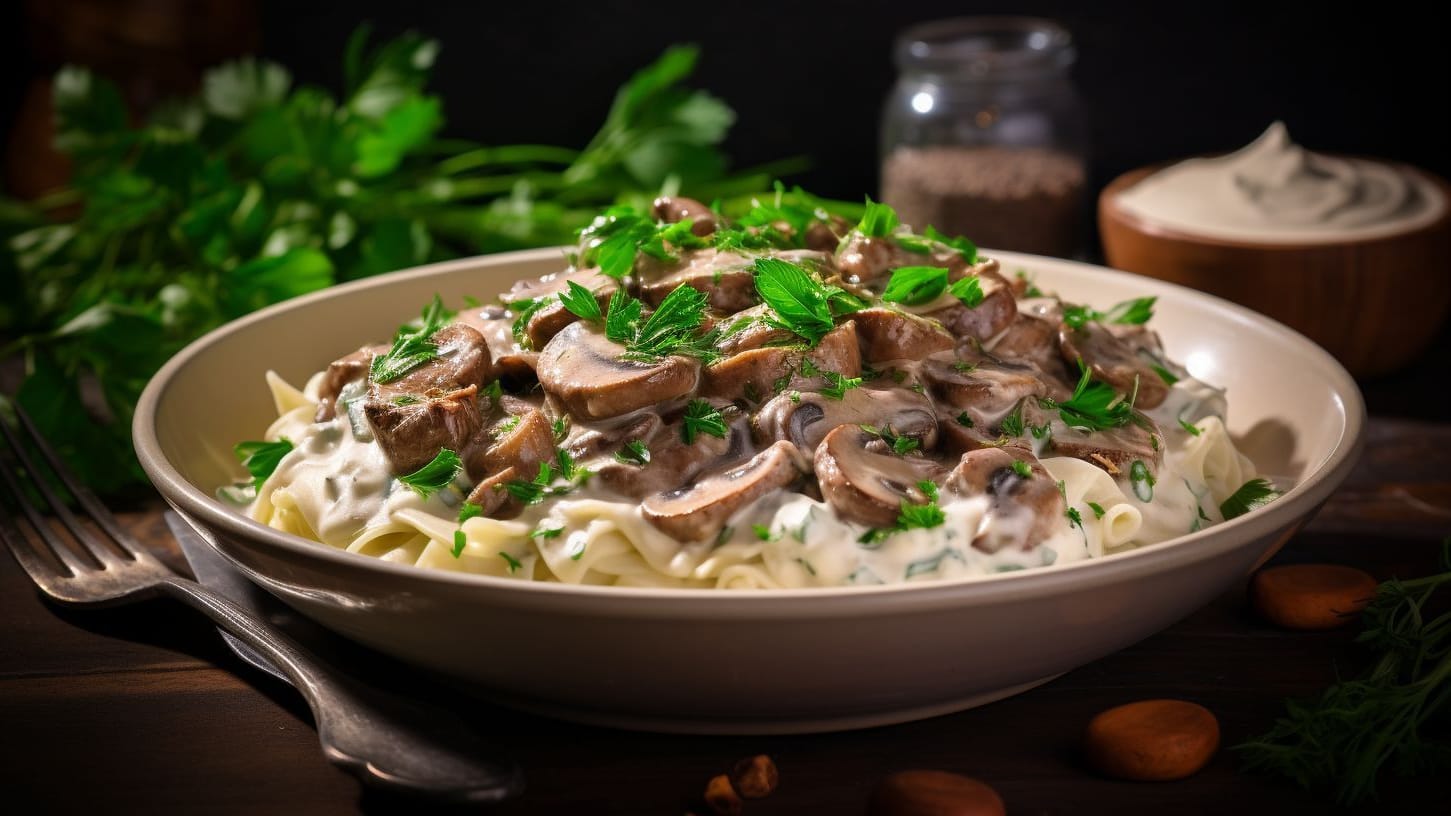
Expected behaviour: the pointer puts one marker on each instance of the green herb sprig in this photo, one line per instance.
(1094, 405)
(261, 458)
(1250, 495)
(412, 345)
(800, 303)
(702, 418)
(438, 474)
(1130, 312)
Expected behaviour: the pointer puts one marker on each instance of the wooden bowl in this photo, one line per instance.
(1373, 303)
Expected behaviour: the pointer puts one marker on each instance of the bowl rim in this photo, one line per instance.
(1109, 209)
(1284, 513)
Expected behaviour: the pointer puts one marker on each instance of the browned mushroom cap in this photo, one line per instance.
(1032, 339)
(672, 462)
(864, 260)
(748, 330)
(412, 433)
(825, 236)
(1113, 361)
(1024, 509)
(996, 312)
(725, 277)
(1115, 449)
(490, 494)
(1149, 348)
(672, 209)
(496, 324)
(462, 360)
(520, 441)
(582, 369)
(889, 334)
(604, 438)
(988, 391)
(866, 486)
(700, 511)
(346, 369)
(758, 371)
(804, 421)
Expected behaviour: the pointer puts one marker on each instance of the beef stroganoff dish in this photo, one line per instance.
(785, 399)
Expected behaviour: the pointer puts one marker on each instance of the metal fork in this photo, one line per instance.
(382, 739)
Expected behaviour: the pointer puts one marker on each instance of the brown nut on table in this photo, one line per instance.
(934, 793)
(1311, 596)
(721, 797)
(1152, 740)
(755, 777)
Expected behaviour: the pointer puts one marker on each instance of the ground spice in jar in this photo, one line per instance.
(1024, 199)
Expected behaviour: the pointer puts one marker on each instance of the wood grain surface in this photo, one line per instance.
(142, 710)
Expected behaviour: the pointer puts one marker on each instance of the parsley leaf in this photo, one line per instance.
(837, 385)
(1094, 405)
(514, 563)
(1022, 469)
(964, 247)
(1012, 424)
(581, 302)
(468, 510)
(524, 310)
(915, 285)
(878, 220)
(965, 420)
(436, 475)
(1142, 481)
(701, 417)
(968, 290)
(1129, 312)
(261, 458)
(412, 347)
(1190, 427)
(671, 327)
(1250, 495)
(633, 453)
(1097, 509)
(799, 303)
(920, 516)
(623, 321)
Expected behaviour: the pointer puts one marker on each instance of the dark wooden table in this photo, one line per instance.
(142, 710)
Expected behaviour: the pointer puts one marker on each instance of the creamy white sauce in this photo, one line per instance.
(1275, 191)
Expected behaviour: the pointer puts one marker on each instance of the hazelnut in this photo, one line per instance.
(755, 777)
(934, 793)
(721, 797)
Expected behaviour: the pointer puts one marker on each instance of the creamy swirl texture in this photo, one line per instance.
(1275, 191)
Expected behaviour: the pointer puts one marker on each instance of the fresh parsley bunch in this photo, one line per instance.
(258, 190)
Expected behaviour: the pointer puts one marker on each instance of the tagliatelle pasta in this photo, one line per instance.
(806, 419)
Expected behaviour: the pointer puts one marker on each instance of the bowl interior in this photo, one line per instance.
(1292, 408)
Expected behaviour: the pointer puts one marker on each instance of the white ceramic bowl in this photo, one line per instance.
(755, 661)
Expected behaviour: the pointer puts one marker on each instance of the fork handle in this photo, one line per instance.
(380, 738)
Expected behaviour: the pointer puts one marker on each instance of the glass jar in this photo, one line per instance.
(983, 134)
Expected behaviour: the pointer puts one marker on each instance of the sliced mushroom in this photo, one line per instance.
(495, 500)
(552, 317)
(673, 209)
(1023, 510)
(988, 391)
(582, 369)
(673, 462)
(349, 368)
(412, 433)
(1113, 361)
(889, 334)
(462, 360)
(700, 511)
(996, 312)
(825, 236)
(604, 438)
(759, 371)
(749, 329)
(806, 420)
(867, 486)
(725, 277)
(1114, 449)
(520, 441)
(868, 261)
(496, 324)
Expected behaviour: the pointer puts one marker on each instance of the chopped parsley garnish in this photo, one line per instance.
(701, 417)
(524, 310)
(968, 290)
(673, 328)
(929, 489)
(546, 532)
(1013, 423)
(560, 427)
(1142, 480)
(468, 510)
(1022, 469)
(1130, 312)
(1075, 518)
(1096, 508)
(514, 563)
(507, 427)
(633, 453)
(1094, 405)
(261, 458)
(495, 392)
(459, 542)
(402, 399)
(1253, 493)
(542, 485)
(799, 303)
(762, 531)
(412, 346)
(1190, 427)
(617, 237)
(915, 285)
(1164, 374)
(1030, 289)
(920, 516)
(900, 445)
(878, 220)
(436, 475)
(963, 367)
(581, 302)
(964, 420)
(837, 385)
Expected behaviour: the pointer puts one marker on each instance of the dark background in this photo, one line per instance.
(809, 77)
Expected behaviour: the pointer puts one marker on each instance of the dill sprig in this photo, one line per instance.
(1355, 729)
